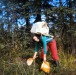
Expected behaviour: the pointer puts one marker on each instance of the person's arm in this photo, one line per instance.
(37, 47)
(36, 50)
(49, 39)
(43, 38)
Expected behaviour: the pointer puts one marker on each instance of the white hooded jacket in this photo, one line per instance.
(40, 28)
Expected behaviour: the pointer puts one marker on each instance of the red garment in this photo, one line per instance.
(53, 49)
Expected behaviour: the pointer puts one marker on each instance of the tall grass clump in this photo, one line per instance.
(67, 63)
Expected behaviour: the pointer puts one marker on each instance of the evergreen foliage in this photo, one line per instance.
(16, 43)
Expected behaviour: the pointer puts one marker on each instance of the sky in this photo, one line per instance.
(56, 2)
(32, 18)
(22, 21)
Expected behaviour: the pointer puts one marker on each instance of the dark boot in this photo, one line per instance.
(56, 67)
(56, 63)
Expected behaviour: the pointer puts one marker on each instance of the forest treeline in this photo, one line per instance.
(15, 24)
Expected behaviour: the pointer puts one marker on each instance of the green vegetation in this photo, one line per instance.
(18, 65)
(16, 44)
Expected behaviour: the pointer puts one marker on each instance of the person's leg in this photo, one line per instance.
(42, 53)
(34, 56)
(53, 50)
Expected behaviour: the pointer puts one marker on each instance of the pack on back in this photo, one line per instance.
(40, 28)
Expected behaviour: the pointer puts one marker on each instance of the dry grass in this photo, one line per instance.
(19, 66)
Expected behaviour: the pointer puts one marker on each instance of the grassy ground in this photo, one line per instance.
(19, 67)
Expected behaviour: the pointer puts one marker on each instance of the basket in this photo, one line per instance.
(45, 66)
(29, 61)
